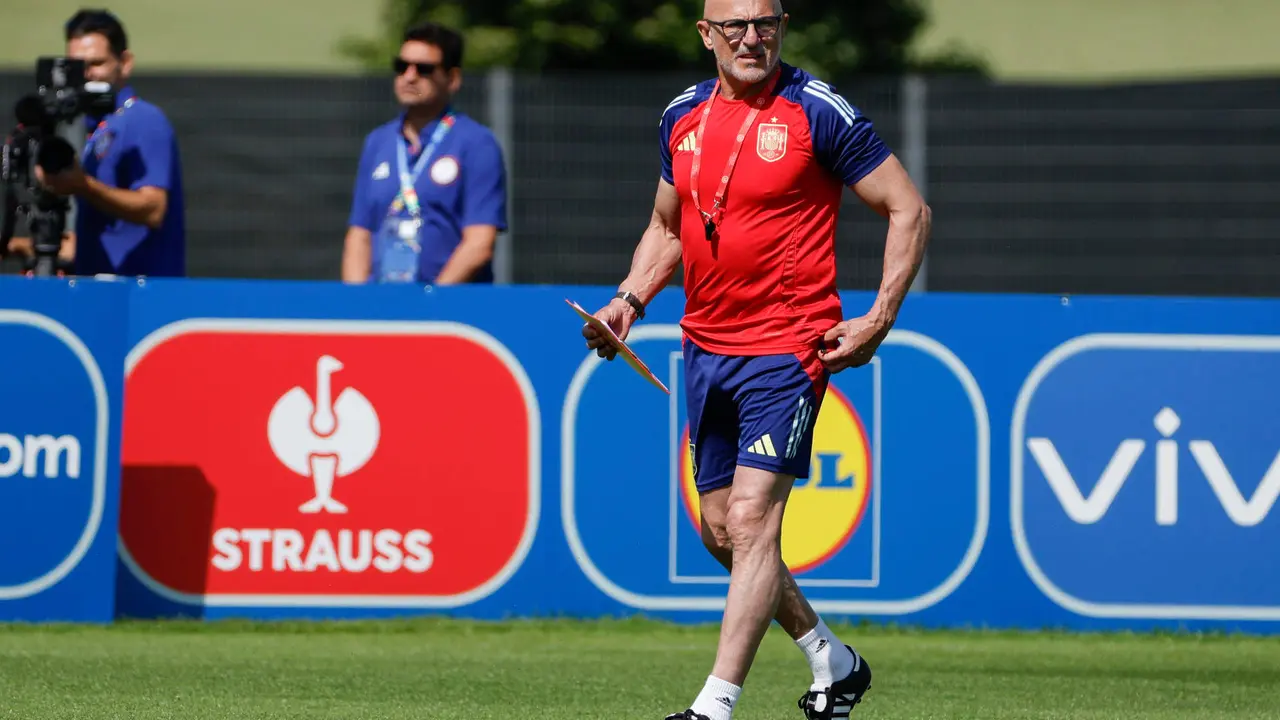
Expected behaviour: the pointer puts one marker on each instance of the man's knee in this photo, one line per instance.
(753, 512)
(749, 523)
(716, 538)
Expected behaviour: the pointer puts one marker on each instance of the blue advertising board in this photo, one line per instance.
(61, 355)
(854, 535)
(1150, 455)
(319, 450)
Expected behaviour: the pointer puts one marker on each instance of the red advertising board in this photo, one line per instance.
(327, 463)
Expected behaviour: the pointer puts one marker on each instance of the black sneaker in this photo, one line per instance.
(838, 700)
(687, 715)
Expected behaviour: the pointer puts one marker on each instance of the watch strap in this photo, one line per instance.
(631, 299)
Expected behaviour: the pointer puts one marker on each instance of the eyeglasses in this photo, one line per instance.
(766, 27)
(400, 65)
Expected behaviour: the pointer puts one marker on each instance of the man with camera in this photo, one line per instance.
(127, 182)
(430, 194)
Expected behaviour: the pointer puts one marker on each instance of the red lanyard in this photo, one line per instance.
(709, 219)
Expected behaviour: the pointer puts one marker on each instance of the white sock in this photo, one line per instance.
(829, 659)
(717, 699)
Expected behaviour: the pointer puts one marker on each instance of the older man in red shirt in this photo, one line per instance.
(754, 163)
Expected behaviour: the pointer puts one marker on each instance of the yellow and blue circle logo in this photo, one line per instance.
(826, 509)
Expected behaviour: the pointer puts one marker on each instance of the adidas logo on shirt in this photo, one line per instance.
(763, 446)
(687, 144)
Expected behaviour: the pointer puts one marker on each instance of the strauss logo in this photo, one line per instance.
(326, 439)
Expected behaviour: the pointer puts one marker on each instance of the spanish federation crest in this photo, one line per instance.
(771, 141)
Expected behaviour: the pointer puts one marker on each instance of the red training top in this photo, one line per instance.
(765, 283)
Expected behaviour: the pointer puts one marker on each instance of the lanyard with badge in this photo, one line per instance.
(709, 219)
(90, 144)
(403, 237)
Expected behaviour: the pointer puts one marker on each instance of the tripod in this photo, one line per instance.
(47, 220)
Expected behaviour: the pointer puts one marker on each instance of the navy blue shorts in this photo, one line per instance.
(753, 411)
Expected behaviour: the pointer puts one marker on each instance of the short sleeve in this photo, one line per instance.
(151, 152)
(363, 214)
(844, 140)
(484, 186)
(675, 110)
(664, 149)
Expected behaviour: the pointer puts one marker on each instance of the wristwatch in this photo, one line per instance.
(631, 299)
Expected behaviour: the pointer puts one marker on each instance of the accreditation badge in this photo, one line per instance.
(408, 231)
(398, 251)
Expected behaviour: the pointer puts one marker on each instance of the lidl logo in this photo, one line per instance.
(826, 509)
(855, 549)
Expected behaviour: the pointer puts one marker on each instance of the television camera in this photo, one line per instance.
(61, 96)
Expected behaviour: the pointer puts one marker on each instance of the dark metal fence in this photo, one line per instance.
(1168, 189)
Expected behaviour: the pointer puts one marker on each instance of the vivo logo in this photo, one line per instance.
(39, 456)
(1143, 471)
(1091, 509)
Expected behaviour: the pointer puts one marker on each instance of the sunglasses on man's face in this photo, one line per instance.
(401, 65)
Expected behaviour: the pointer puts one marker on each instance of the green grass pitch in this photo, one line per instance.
(440, 669)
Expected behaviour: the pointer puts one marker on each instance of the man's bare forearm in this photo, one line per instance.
(472, 253)
(357, 251)
(654, 262)
(903, 253)
(142, 207)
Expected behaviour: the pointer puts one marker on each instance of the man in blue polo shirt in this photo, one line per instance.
(430, 190)
(128, 183)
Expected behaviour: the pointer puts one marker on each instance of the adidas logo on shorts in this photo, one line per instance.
(763, 446)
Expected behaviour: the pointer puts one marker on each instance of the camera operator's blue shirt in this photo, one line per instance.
(462, 184)
(135, 148)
